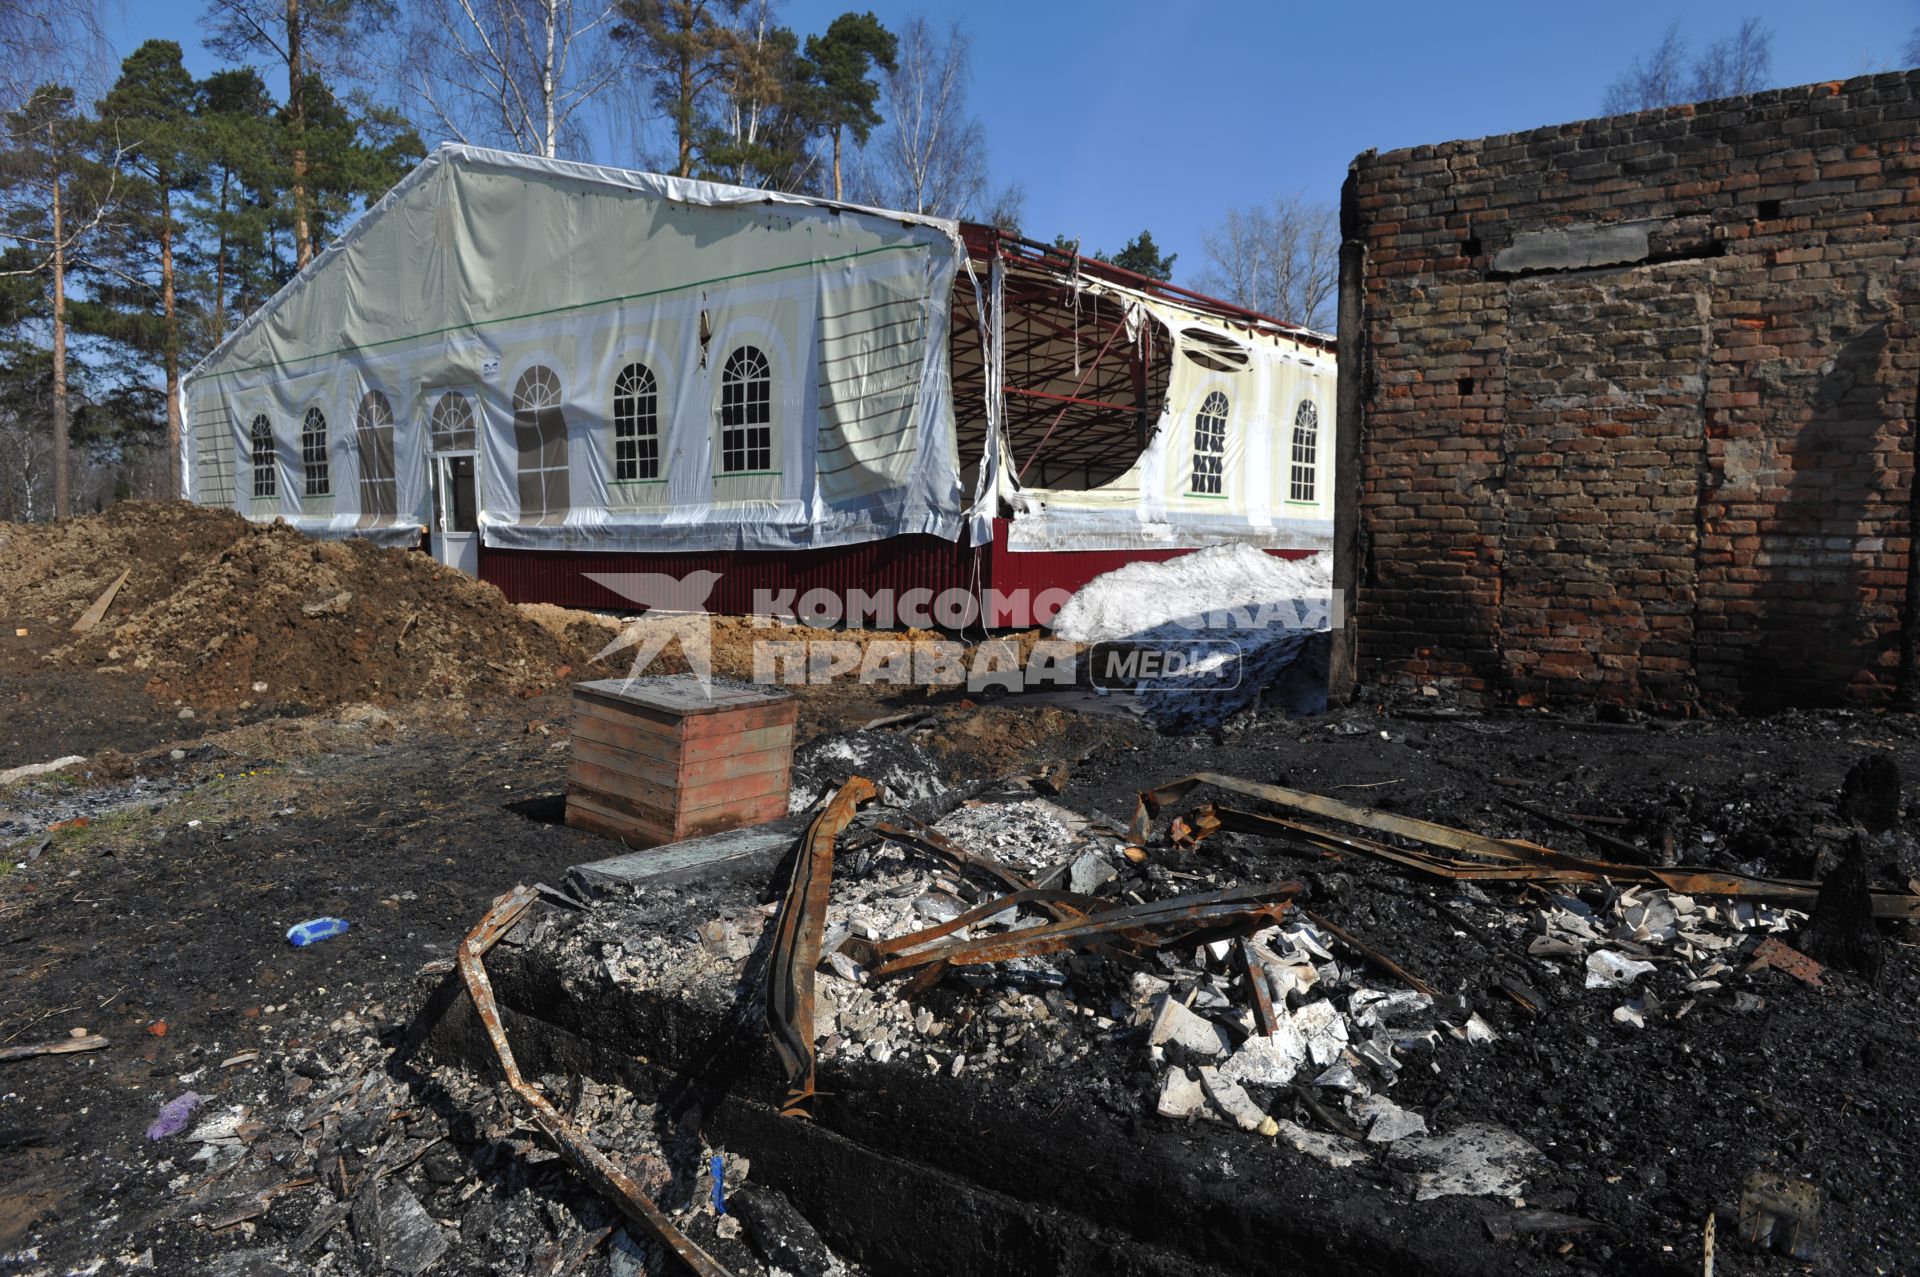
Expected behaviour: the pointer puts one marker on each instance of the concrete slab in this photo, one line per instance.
(753, 850)
(1576, 248)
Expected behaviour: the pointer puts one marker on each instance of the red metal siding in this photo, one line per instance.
(897, 564)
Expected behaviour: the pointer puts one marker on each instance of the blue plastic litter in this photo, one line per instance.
(719, 1185)
(314, 930)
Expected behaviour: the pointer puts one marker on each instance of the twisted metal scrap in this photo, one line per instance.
(1190, 919)
(1461, 854)
(590, 1162)
(796, 945)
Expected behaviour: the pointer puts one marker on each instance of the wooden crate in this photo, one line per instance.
(657, 761)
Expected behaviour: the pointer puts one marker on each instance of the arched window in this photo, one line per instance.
(746, 413)
(373, 434)
(636, 425)
(1306, 452)
(260, 445)
(313, 453)
(1210, 445)
(540, 439)
(452, 423)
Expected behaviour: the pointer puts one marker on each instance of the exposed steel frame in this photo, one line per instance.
(1066, 418)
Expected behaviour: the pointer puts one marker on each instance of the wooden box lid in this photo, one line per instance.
(682, 695)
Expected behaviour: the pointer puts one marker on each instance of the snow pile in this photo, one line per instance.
(1221, 589)
(1234, 605)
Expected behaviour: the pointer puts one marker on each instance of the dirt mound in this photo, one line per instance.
(219, 612)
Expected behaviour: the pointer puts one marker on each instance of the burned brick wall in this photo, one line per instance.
(1633, 402)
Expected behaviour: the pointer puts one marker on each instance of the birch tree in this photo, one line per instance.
(53, 40)
(1281, 259)
(930, 156)
(1666, 75)
(515, 73)
(761, 136)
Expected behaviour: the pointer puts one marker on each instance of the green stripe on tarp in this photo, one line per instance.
(474, 325)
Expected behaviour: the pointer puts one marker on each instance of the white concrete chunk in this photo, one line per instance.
(1180, 1095)
(1174, 1023)
(1268, 1061)
(1232, 1099)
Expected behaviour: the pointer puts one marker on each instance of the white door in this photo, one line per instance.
(453, 432)
(456, 514)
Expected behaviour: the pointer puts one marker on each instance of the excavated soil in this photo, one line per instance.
(227, 620)
(222, 613)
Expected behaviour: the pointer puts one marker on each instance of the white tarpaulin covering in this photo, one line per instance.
(640, 363)
(636, 362)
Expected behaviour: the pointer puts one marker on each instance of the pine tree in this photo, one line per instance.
(354, 155)
(311, 38)
(135, 286)
(760, 137)
(839, 96)
(690, 48)
(1143, 257)
(239, 139)
(60, 193)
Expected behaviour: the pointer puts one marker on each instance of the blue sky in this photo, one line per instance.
(1119, 115)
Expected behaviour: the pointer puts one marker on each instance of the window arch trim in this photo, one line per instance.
(542, 443)
(373, 437)
(266, 481)
(1303, 457)
(746, 413)
(1208, 477)
(637, 442)
(316, 472)
(452, 425)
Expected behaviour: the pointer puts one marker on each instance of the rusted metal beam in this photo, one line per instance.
(592, 1165)
(1016, 250)
(1078, 385)
(876, 953)
(1499, 859)
(798, 930)
(1190, 919)
(1069, 399)
(1257, 988)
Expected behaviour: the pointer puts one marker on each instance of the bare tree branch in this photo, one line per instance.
(48, 40)
(511, 72)
(1739, 64)
(931, 156)
(1281, 259)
